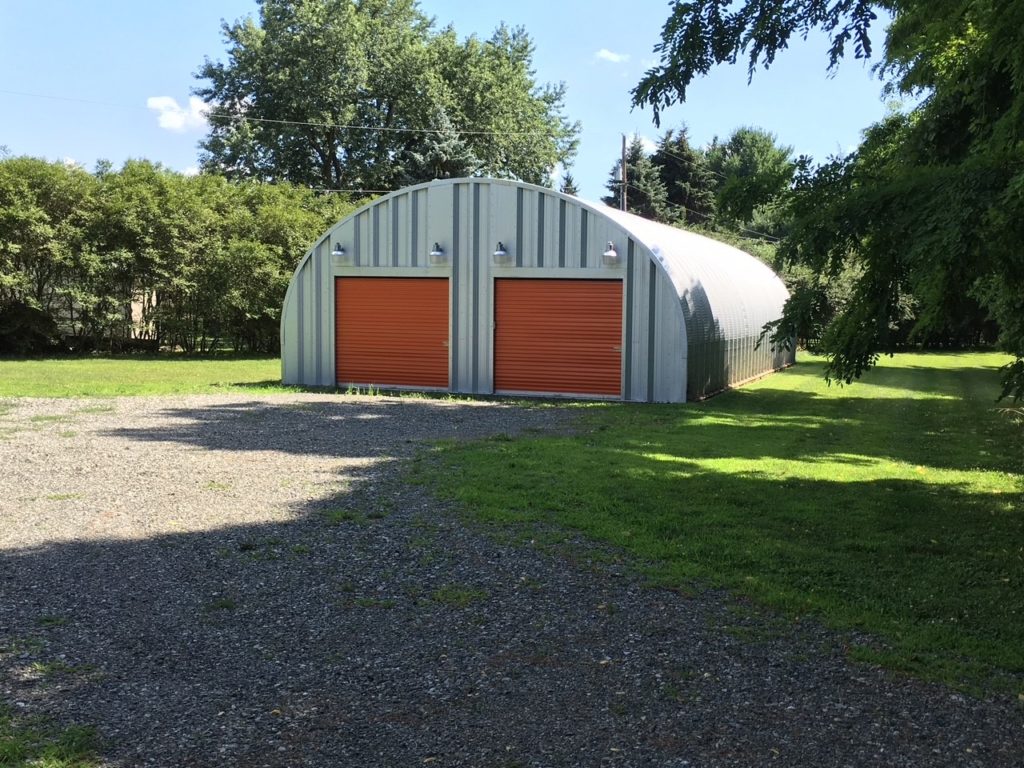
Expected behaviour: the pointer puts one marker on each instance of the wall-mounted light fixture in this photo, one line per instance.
(339, 251)
(437, 254)
(611, 256)
(501, 253)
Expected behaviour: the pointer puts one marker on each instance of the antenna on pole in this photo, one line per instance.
(622, 165)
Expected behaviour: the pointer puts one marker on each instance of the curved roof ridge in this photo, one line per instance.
(727, 292)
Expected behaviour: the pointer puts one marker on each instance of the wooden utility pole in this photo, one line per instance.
(622, 197)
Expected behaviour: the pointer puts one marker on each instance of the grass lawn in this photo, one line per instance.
(893, 508)
(37, 743)
(164, 375)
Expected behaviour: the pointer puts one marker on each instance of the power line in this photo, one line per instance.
(762, 235)
(303, 123)
(379, 128)
(70, 98)
(352, 189)
(707, 216)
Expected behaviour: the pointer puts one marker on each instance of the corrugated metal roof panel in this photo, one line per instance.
(730, 294)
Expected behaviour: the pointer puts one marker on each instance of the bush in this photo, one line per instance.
(25, 330)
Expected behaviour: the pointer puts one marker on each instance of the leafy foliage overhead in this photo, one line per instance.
(931, 206)
(701, 34)
(360, 93)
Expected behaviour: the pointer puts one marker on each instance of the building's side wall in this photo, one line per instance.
(669, 345)
(655, 334)
(726, 296)
(545, 235)
(726, 308)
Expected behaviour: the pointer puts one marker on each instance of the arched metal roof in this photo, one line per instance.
(694, 307)
(726, 293)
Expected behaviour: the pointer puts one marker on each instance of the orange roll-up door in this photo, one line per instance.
(558, 336)
(392, 331)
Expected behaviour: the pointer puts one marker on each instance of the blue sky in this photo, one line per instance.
(102, 62)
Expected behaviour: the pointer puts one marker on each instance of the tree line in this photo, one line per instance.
(318, 103)
(143, 258)
(744, 190)
(731, 186)
(916, 236)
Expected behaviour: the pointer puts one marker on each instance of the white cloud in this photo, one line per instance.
(615, 58)
(70, 162)
(650, 145)
(174, 117)
(192, 170)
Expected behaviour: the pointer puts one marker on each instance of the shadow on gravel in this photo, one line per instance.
(393, 636)
(406, 640)
(328, 427)
(766, 423)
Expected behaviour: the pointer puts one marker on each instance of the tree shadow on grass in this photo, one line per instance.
(325, 639)
(329, 644)
(933, 564)
(764, 423)
(938, 382)
(795, 426)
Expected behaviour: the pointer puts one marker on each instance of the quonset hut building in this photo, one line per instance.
(491, 286)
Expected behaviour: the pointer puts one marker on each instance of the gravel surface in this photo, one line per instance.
(248, 581)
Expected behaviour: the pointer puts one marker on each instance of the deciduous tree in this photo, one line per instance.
(142, 253)
(932, 203)
(751, 174)
(341, 94)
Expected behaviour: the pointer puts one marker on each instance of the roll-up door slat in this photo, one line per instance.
(559, 336)
(392, 331)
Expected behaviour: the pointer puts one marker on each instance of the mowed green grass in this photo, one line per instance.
(34, 742)
(891, 508)
(111, 376)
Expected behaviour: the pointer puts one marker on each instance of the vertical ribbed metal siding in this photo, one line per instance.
(726, 295)
(397, 231)
(724, 331)
(542, 231)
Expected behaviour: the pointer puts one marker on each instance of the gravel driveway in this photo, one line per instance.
(247, 581)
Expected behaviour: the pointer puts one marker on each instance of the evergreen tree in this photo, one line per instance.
(689, 183)
(568, 185)
(443, 154)
(645, 194)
